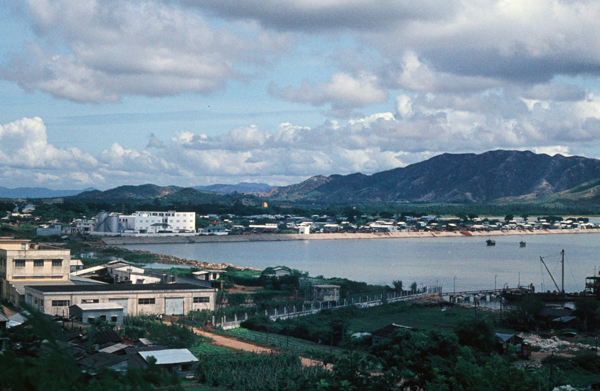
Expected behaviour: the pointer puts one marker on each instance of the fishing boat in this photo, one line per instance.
(522, 244)
(556, 296)
(490, 242)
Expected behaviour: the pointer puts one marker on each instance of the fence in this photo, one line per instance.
(318, 306)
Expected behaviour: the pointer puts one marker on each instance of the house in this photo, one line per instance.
(49, 230)
(75, 265)
(3, 321)
(304, 230)
(208, 275)
(87, 313)
(174, 360)
(326, 292)
(503, 341)
(385, 332)
(23, 263)
(138, 299)
(281, 271)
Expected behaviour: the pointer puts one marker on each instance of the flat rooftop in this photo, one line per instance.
(118, 288)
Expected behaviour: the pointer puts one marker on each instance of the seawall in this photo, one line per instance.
(118, 240)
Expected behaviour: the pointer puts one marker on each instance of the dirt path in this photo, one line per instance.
(234, 344)
(8, 311)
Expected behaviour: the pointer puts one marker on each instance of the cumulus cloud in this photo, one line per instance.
(92, 51)
(343, 91)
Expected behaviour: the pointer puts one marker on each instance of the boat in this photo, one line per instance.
(522, 244)
(490, 242)
(558, 295)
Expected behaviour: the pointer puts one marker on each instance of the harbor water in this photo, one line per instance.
(457, 264)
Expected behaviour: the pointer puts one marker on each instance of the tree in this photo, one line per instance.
(413, 286)
(477, 333)
(509, 217)
(397, 285)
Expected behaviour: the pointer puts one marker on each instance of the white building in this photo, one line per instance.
(146, 222)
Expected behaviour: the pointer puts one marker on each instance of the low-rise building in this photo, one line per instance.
(138, 299)
(323, 292)
(87, 313)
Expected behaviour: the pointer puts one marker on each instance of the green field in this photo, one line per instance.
(275, 340)
(417, 316)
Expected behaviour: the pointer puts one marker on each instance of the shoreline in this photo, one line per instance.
(118, 240)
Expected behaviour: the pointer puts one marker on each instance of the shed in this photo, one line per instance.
(281, 271)
(3, 321)
(564, 322)
(208, 275)
(326, 292)
(175, 360)
(87, 313)
(384, 332)
(503, 341)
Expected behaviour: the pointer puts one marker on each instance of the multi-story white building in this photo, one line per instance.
(146, 222)
(171, 221)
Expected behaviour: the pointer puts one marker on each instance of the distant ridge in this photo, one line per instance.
(495, 176)
(38, 192)
(243, 187)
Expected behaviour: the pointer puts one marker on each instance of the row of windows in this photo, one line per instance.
(66, 303)
(37, 262)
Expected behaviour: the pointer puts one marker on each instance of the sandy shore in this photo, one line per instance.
(118, 240)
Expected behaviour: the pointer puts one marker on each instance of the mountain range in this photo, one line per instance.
(491, 177)
(37, 192)
(495, 176)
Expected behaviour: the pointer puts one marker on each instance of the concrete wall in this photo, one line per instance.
(43, 302)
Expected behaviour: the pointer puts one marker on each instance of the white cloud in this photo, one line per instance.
(92, 51)
(344, 92)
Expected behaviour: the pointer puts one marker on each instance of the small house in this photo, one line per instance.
(174, 360)
(503, 341)
(3, 321)
(87, 313)
(281, 271)
(326, 292)
(208, 275)
(385, 332)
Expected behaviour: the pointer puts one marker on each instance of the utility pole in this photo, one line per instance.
(495, 278)
(454, 284)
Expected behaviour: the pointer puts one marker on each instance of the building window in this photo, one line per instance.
(146, 301)
(89, 301)
(19, 263)
(201, 299)
(57, 262)
(38, 262)
(61, 303)
(114, 319)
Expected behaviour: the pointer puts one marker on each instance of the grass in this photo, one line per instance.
(203, 348)
(415, 315)
(280, 341)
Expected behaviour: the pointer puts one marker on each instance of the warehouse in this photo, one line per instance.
(138, 299)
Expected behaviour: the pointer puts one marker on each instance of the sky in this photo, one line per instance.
(103, 93)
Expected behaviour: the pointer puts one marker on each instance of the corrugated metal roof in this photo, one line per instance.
(170, 356)
(92, 269)
(3, 318)
(118, 288)
(21, 284)
(99, 306)
(113, 348)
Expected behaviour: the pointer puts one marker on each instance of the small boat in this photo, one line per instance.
(522, 244)
(490, 242)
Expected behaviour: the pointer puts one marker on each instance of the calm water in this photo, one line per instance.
(425, 260)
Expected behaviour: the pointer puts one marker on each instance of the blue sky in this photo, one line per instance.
(178, 92)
